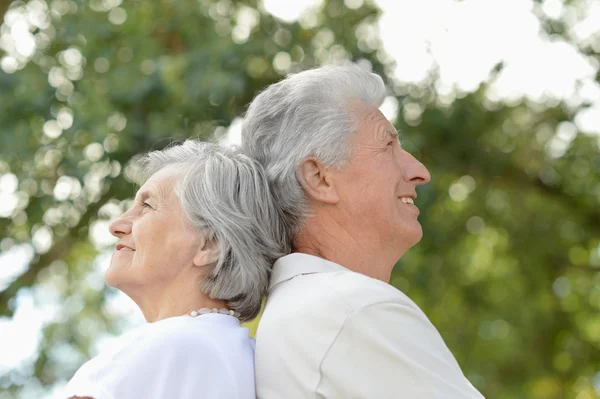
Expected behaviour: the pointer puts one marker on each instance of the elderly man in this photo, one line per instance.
(333, 327)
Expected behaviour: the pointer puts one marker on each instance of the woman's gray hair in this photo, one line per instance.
(226, 196)
(305, 115)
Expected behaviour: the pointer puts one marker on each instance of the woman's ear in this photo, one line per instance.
(316, 181)
(207, 253)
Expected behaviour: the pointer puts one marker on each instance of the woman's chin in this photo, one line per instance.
(114, 276)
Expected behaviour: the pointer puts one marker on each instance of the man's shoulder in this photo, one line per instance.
(360, 290)
(343, 292)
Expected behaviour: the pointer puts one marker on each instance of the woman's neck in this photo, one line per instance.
(159, 302)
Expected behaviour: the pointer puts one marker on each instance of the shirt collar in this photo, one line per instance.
(296, 264)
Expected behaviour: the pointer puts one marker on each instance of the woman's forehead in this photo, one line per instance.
(161, 183)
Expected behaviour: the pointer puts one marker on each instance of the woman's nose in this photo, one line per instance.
(120, 227)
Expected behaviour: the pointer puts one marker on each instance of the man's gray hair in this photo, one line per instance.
(225, 195)
(305, 115)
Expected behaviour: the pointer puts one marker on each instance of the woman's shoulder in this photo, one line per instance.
(181, 348)
(187, 331)
(176, 339)
(216, 339)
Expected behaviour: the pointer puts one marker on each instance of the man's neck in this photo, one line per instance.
(339, 246)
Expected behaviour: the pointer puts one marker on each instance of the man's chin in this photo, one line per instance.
(413, 235)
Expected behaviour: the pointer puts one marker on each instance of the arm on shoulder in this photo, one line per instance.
(389, 350)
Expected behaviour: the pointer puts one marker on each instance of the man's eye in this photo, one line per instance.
(146, 205)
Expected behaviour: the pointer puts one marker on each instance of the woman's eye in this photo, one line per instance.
(146, 205)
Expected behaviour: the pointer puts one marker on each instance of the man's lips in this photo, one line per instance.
(408, 198)
(410, 201)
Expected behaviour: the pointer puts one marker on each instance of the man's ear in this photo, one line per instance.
(315, 179)
(207, 253)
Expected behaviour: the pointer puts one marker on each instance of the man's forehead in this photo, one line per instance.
(373, 122)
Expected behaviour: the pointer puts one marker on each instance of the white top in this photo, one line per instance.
(209, 356)
(327, 332)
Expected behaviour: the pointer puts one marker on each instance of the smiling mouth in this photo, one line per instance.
(407, 200)
(123, 248)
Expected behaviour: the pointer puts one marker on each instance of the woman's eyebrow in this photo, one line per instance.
(143, 195)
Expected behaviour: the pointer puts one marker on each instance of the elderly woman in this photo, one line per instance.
(194, 253)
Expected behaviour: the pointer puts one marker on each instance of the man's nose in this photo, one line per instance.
(415, 171)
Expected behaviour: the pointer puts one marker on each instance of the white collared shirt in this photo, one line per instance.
(327, 332)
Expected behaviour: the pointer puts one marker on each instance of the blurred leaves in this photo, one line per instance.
(508, 267)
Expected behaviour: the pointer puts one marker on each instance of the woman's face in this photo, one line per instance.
(157, 244)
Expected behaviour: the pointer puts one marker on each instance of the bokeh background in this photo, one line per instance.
(499, 98)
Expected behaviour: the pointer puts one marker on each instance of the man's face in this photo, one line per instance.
(377, 186)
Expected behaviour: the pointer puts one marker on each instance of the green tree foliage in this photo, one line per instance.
(508, 267)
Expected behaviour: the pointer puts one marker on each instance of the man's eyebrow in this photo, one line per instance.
(392, 133)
